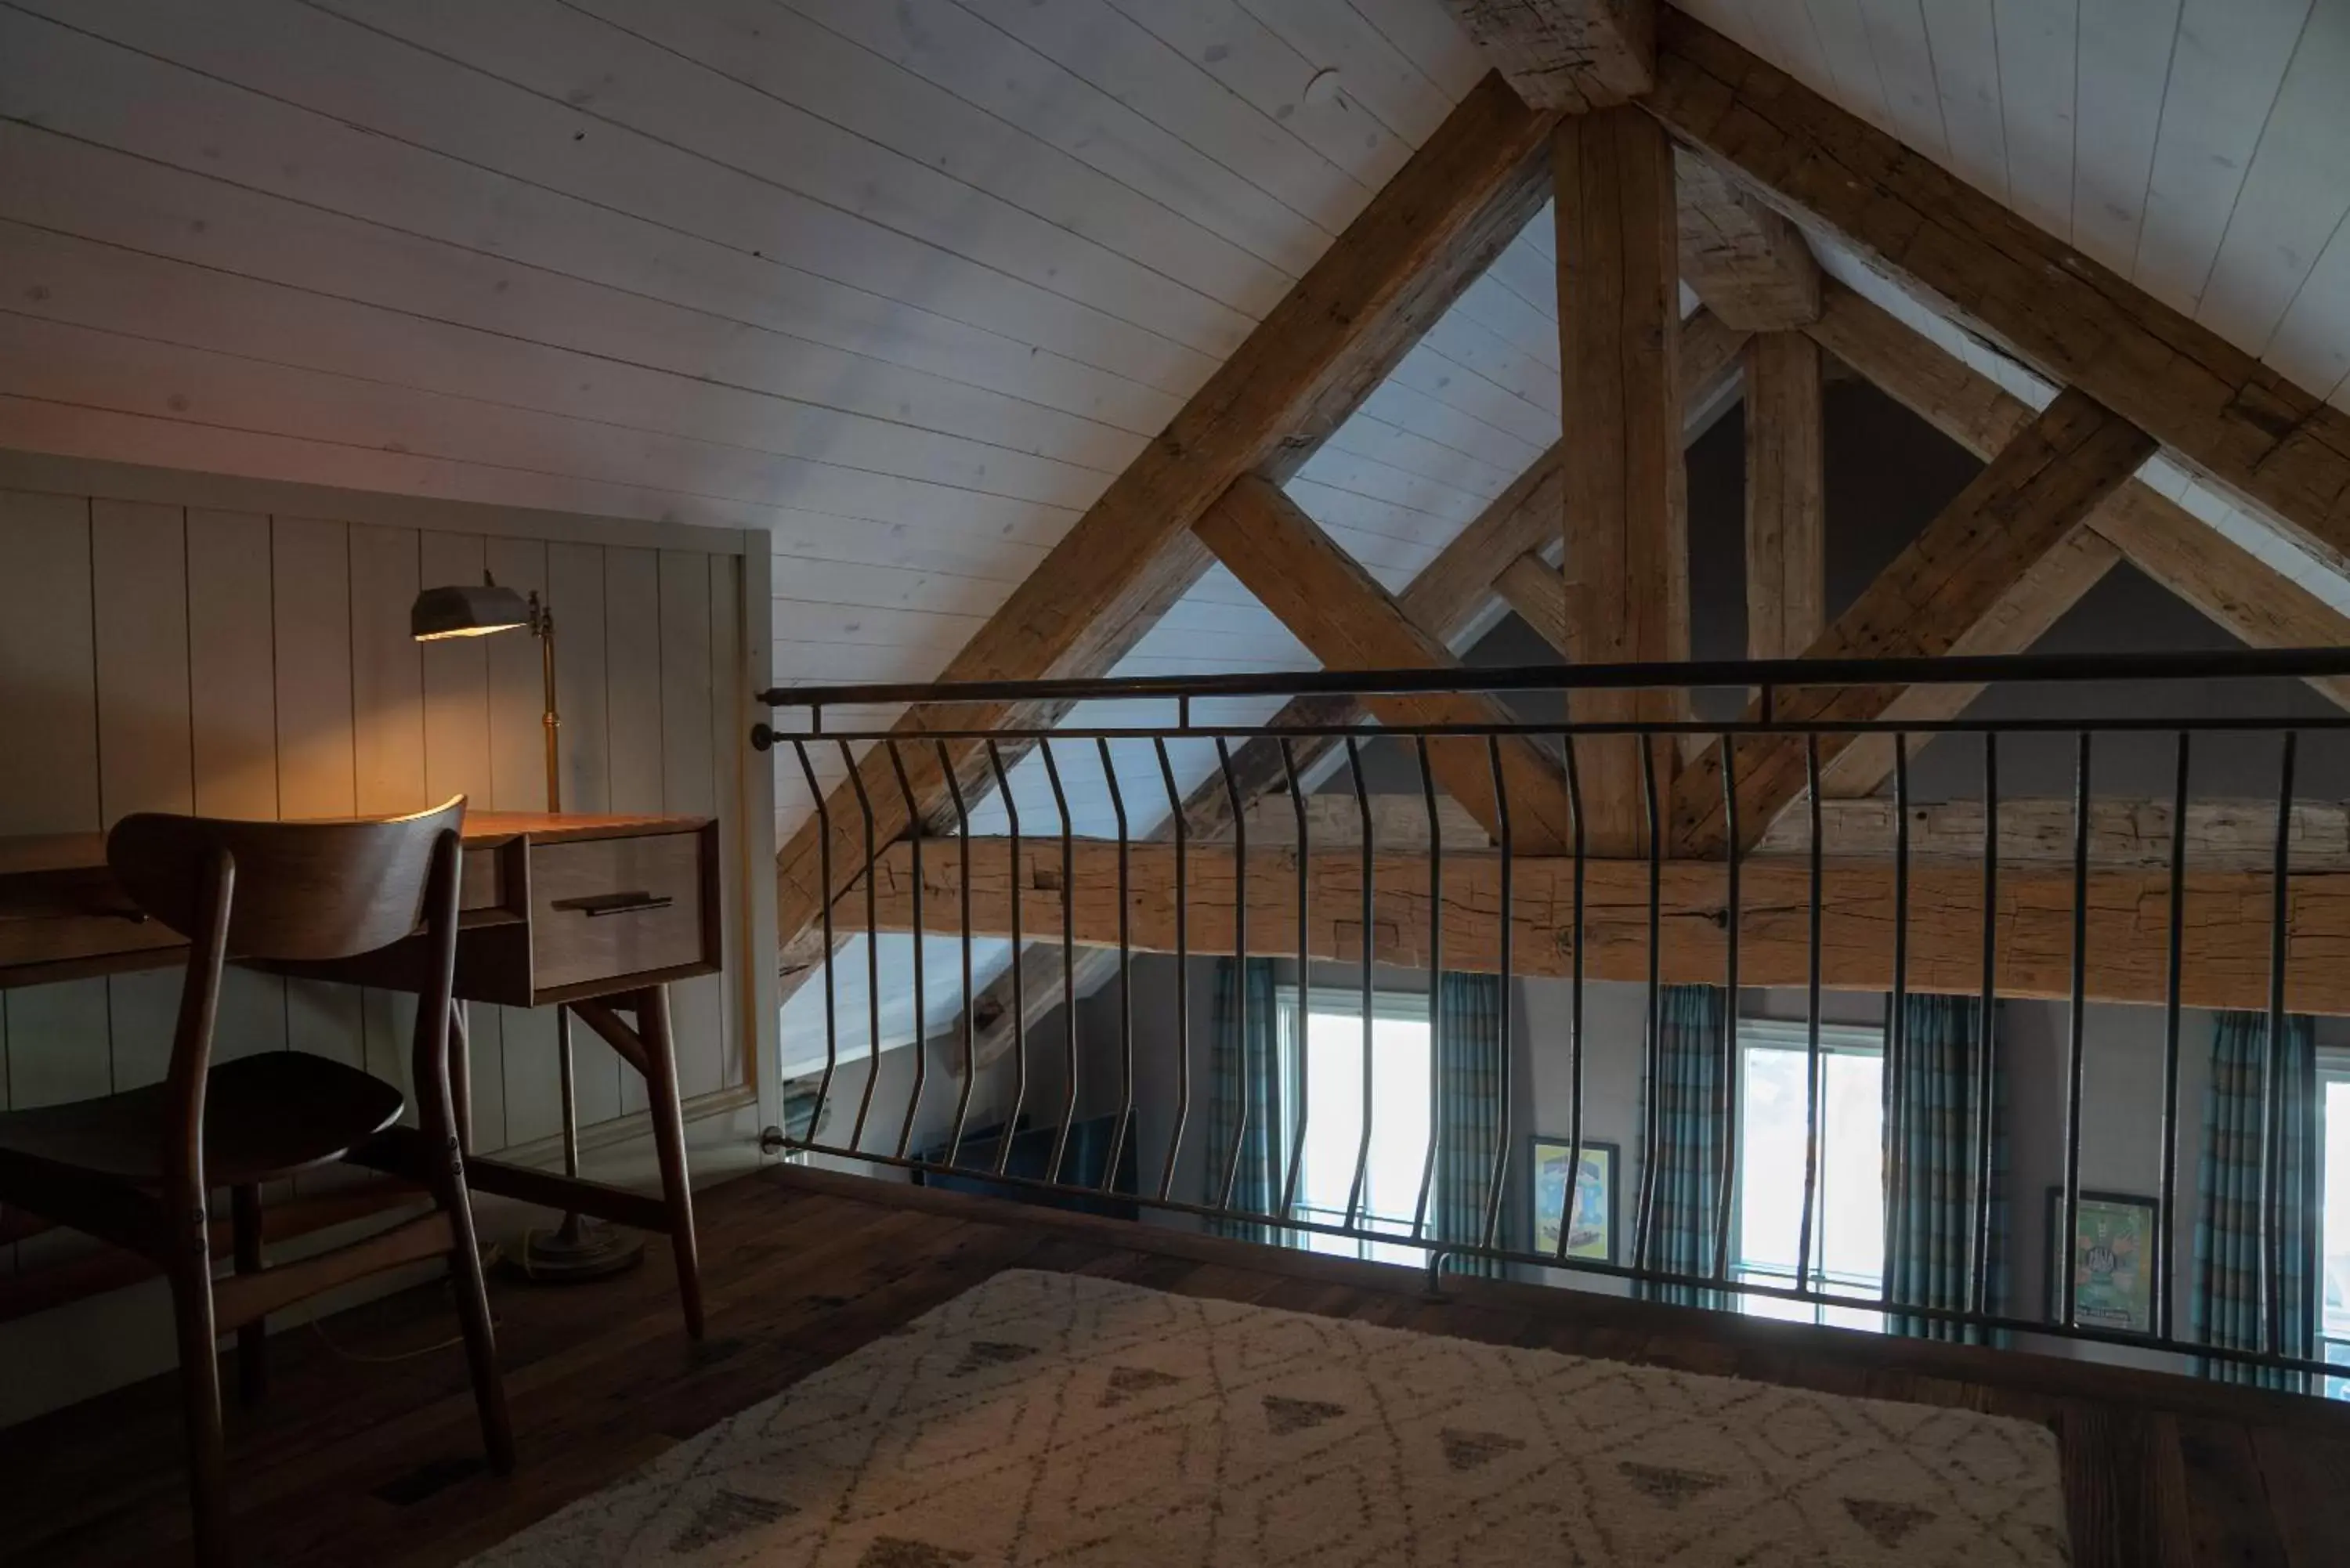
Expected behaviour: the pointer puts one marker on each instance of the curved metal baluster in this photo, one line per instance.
(1575, 1005)
(1508, 935)
(1305, 970)
(1653, 1047)
(1726, 1092)
(2273, 1131)
(2077, 1017)
(1183, 965)
(1125, 974)
(921, 944)
(1239, 974)
(1435, 992)
(1358, 1198)
(2164, 1291)
(1017, 884)
(1811, 1022)
(831, 982)
(969, 1044)
(872, 953)
(1894, 1110)
(1986, 1025)
(1069, 955)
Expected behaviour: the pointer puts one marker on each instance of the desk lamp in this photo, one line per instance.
(576, 1250)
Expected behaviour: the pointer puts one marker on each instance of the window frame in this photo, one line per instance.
(1794, 1035)
(1407, 1006)
(2333, 1067)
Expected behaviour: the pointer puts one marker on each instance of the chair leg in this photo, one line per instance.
(191, 1312)
(472, 1303)
(252, 1339)
(669, 1144)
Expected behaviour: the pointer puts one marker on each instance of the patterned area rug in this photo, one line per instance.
(1056, 1418)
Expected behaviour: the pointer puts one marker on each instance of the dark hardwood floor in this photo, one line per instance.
(367, 1451)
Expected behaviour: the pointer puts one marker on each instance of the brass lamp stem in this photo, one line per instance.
(542, 626)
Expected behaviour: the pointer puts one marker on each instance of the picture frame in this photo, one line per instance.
(1593, 1236)
(2113, 1250)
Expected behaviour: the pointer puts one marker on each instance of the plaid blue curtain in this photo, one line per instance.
(1244, 1097)
(1468, 1018)
(1686, 1160)
(2225, 1306)
(1929, 1162)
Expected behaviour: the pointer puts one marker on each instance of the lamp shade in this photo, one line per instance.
(461, 610)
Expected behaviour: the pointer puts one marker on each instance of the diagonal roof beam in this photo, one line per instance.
(2033, 494)
(2249, 598)
(1336, 609)
(1461, 198)
(2075, 322)
(1743, 258)
(1451, 592)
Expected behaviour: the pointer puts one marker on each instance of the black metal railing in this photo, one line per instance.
(997, 817)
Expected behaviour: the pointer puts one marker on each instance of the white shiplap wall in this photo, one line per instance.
(156, 656)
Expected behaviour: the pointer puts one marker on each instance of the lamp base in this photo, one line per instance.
(576, 1252)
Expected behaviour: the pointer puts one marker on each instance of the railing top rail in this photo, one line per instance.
(1781, 674)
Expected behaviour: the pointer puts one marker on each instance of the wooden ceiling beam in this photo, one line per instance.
(1331, 339)
(1570, 55)
(2240, 591)
(1536, 594)
(2225, 961)
(1625, 525)
(2035, 492)
(1786, 525)
(1350, 622)
(2221, 834)
(1750, 265)
(2075, 322)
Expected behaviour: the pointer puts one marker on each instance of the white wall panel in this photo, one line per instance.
(245, 663)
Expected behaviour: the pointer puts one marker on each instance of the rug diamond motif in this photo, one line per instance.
(1132, 1382)
(1887, 1523)
(1468, 1450)
(1282, 1417)
(728, 1513)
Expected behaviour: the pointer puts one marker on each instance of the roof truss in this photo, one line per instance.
(1759, 149)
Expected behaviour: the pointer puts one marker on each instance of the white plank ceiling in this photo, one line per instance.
(2197, 147)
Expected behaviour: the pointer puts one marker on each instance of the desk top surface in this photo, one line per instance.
(39, 854)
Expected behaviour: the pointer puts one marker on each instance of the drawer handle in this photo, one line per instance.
(596, 904)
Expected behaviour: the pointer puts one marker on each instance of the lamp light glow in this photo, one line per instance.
(462, 610)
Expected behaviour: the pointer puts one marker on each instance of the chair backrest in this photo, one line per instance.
(303, 890)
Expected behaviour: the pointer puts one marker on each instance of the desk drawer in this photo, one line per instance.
(606, 908)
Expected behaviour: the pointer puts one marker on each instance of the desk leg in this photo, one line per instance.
(668, 1141)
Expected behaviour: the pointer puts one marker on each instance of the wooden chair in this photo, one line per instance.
(135, 1169)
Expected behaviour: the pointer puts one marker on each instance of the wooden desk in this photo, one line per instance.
(598, 912)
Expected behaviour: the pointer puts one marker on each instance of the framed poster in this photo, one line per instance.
(2112, 1258)
(1593, 1234)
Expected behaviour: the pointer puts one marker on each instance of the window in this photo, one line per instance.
(1848, 1205)
(1323, 1064)
(2333, 1219)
